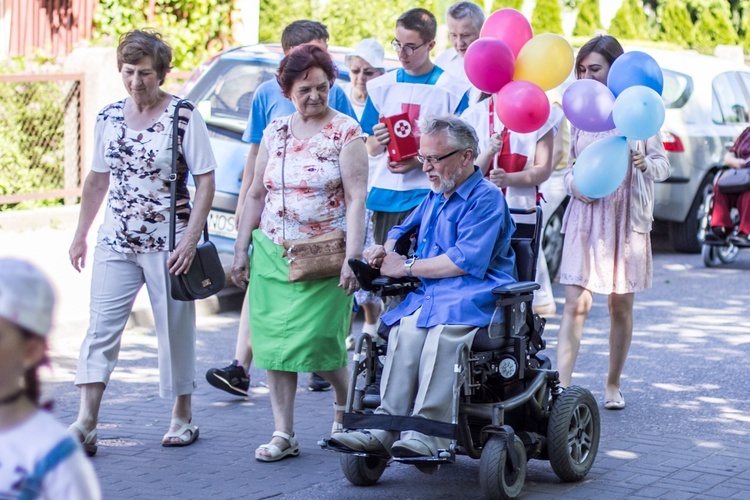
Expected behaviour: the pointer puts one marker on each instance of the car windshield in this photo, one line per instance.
(227, 101)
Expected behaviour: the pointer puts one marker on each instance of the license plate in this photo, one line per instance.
(222, 224)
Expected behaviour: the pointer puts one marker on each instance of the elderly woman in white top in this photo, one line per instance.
(132, 168)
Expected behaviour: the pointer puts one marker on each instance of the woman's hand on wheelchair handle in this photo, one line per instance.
(374, 255)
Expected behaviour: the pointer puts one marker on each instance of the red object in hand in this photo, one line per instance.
(403, 143)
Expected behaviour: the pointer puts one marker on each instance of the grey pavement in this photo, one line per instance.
(684, 432)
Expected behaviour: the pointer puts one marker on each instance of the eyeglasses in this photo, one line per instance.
(407, 49)
(365, 72)
(431, 160)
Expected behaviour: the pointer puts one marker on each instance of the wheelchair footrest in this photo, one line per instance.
(331, 445)
(443, 457)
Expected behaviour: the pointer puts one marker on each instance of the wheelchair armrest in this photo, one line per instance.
(516, 288)
(388, 286)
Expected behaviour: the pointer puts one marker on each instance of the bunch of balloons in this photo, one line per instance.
(630, 102)
(508, 61)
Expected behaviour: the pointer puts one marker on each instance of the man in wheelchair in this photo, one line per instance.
(463, 252)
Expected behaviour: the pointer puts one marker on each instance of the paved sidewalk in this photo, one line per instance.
(684, 433)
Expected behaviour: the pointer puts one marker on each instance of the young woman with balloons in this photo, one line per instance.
(607, 247)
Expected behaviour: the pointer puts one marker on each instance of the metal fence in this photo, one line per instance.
(41, 139)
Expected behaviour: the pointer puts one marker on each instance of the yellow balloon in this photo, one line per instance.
(546, 60)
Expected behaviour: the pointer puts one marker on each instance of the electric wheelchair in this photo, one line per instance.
(507, 404)
(715, 250)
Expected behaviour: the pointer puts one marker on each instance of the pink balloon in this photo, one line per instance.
(522, 106)
(510, 26)
(489, 64)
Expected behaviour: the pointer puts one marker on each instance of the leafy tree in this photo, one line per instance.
(589, 18)
(630, 21)
(276, 14)
(195, 29)
(348, 22)
(506, 4)
(676, 26)
(714, 27)
(546, 17)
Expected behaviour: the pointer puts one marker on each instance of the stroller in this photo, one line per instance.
(507, 404)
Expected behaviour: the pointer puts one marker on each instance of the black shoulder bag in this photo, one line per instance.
(206, 274)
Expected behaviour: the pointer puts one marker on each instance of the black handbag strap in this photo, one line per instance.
(173, 177)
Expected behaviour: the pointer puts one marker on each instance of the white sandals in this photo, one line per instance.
(274, 452)
(180, 433)
(89, 437)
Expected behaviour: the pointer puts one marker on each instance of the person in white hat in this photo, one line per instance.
(365, 63)
(38, 458)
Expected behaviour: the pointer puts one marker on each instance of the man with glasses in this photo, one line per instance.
(463, 252)
(419, 88)
(464, 20)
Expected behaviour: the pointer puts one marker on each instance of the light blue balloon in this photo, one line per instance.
(601, 167)
(638, 113)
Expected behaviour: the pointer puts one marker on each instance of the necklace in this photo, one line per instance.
(12, 398)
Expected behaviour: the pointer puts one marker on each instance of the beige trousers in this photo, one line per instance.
(116, 280)
(419, 369)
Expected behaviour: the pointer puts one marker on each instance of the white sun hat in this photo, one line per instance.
(26, 296)
(370, 51)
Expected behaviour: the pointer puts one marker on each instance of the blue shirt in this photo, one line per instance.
(473, 228)
(269, 103)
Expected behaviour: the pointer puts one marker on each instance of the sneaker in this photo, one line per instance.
(232, 379)
(318, 383)
(350, 342)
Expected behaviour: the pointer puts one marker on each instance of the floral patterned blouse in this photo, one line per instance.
(312, 177)
(139, 163)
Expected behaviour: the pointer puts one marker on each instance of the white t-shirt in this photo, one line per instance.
(25, 446)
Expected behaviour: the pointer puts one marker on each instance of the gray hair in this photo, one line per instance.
(471, 10)
(460, 134)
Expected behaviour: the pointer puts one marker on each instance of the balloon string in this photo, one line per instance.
(492, 129)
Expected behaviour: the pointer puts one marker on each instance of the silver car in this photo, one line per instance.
(707, 101)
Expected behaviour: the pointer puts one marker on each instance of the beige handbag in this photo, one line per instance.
(313, 258)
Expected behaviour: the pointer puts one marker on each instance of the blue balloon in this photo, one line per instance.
(638, 113)
(635, 68)
(601, 167)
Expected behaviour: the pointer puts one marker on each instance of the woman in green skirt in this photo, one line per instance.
(318, 155)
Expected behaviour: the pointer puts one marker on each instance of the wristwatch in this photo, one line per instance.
(407, 266)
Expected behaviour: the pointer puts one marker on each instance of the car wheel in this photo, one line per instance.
(552, 241)
(686, 235)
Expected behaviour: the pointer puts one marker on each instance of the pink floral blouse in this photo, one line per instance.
(314, 194)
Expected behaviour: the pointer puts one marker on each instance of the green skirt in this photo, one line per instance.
(294, 327)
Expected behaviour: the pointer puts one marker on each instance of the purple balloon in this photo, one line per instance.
(588, 106)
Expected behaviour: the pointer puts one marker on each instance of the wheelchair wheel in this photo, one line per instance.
(710, 255)
(496, 476)
(715, 255)
(362, 471)
(573, 434)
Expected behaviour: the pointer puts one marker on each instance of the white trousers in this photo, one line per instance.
(419, 369)
(543, 296)
(117, 278)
